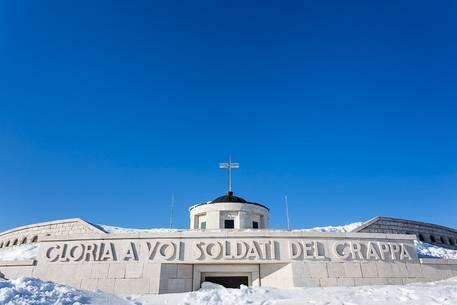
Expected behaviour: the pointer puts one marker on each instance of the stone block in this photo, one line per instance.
(369, 269)
(414, 270)
(184, 271)
(346, 282)
(134, 270)
(99, 271)
(430, 272)
(315, 269)
(116, 271)
(154, 285)
(169, 271)
(83, 271)
(352, 269)
(328, 282)
(179, 285)
(384, 269)
(399, 270)
(395, 281)
(151, 270)
(106, 285)
(131, 286)
(89, 284)
(336, 270)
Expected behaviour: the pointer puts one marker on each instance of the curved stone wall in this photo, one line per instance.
(33, 233)
(430, 233)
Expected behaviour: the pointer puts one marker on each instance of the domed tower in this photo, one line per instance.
(229, 211)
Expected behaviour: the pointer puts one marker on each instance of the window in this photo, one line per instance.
(255, 225)
(229, 224)
(203, 225)
(7, 243)
(432, 239)
(421, 237)
(443, 240)
(24, 241)
(1, 245)
(15, 242)
(34, 239)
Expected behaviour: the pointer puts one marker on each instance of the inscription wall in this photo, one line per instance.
(228, 250)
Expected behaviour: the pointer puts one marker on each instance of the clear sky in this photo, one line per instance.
(109, 107)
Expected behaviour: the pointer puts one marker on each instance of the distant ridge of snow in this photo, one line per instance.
(335, 229)
(113, 229)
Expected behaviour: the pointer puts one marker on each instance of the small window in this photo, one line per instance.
(229, 224)
(24, 241)
(432, 239)
(203, 225)
(443, 240)
(34, 239)
(452, 241)
(255, 225)
(7, 243)
(421, 237)
(1, 245)
(15, 242)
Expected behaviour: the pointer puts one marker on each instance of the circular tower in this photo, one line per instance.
(229, 212)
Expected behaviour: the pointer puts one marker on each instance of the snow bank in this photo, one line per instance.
(425, 250)
(30, 291)
(443, 292)
(19, 253)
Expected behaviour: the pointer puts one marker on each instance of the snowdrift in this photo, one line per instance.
(30, 291)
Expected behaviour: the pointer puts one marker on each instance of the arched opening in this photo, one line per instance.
(421, 237)
(34, 239)
(432, 239)
(7, 244)
(24, 240)
(1, 245)
(15, 242)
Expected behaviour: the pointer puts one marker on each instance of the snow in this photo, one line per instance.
(23, 252)
(343, 229)
(113, 229)
(30, 291)
(425, 250)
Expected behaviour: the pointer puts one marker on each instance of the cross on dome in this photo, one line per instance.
(229, 167)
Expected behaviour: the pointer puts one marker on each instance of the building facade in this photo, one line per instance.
(229, 242)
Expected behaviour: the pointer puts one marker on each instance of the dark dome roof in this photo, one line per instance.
(229, 198)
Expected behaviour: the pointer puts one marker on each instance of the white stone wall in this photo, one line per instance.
(214, 214)
(33, 233)
(430, 233)
(142, 263)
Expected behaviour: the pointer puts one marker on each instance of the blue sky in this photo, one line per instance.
(109, 107)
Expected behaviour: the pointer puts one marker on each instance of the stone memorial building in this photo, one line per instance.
(229, 242)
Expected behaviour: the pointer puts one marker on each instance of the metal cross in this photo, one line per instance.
(229, 167)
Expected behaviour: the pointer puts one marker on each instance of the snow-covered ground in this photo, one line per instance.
(30, 291)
